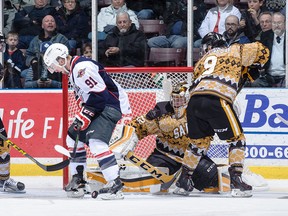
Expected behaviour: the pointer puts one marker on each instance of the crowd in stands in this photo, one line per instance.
(30, 26)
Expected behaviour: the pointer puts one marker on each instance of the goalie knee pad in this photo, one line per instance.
(205, 174)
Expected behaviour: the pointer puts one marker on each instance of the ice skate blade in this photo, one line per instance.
(181, 192)
(238, 193)
(76, 194)
(12, 191)
(111, 196)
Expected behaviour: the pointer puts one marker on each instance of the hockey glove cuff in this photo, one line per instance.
(84, 117)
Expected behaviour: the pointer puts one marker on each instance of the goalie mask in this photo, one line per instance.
(2, 43)
(55, 58)
(179, 98)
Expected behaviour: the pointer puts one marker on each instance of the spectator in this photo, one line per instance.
(265, 19)
(126, 46)
(274, 75)
(147, 9)
(9, 14)
(87, 50)
(249, 22)
(14, 62)
(73, 23)
(28, 20)
(214, 20)
(233, 33)
(107, 18)
(175, 16)
(37, 75)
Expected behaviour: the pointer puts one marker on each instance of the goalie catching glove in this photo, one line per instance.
(84, 117)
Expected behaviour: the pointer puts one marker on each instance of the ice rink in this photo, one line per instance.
(44, 197)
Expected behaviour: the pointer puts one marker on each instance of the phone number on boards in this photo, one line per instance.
(267, 152)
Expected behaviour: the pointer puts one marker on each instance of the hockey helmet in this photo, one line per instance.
(2, 43)
(213, 40)
(55, 58)
(179, 98)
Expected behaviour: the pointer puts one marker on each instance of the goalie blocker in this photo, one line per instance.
(207, 176)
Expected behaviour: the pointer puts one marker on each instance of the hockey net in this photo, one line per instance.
(145, 87)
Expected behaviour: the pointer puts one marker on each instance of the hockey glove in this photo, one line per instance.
(84, 117)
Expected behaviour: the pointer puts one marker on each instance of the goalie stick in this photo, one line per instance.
(166, 180)
(48, 168)
(282, 119)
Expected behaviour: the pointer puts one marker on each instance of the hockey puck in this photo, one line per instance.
(94, 194)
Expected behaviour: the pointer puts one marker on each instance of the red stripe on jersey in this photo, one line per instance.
(70, 149)
(104, 154)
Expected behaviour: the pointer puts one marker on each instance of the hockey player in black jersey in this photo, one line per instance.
(218, 78)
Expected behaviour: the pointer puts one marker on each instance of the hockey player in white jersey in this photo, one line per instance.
(102, 103)
(7, 184)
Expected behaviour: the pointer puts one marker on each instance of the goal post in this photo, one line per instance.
(145, 87)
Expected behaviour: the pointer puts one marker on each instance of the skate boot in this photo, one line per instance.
(112, 190)
(184, 183)
(76, 188)
(238, 187)
(12, 186)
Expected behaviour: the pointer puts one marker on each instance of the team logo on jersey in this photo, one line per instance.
(81, 72)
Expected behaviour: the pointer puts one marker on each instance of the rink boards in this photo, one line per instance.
(33, 120)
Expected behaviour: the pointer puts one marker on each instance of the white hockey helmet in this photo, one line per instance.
(55, 58)
(179, 98)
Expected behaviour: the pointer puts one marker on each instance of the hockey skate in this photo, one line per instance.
(12, 186)
(238, 187)
(76, 188)
(181, 191)
(184, 182)
(111, 191)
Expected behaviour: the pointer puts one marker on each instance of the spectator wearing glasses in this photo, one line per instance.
(233, 33)
(274, 69)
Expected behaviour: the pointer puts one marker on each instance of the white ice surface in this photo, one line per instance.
(44, 197)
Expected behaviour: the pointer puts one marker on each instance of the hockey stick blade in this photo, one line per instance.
(282, 119)
(62, 150)
(48, 168)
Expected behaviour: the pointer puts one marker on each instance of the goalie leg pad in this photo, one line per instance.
(123, 139)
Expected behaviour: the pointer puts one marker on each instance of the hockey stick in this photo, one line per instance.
(155, 172)
(76, 140)
(47, 168)
(166, 180)
(282, 119)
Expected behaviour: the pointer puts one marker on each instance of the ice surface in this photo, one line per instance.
(45, 197)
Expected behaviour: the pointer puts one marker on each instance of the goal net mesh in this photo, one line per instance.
(144, 90)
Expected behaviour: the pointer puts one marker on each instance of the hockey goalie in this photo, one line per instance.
(167, 122)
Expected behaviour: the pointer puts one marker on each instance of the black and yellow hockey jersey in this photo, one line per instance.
(171, 133)
(220, 71)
